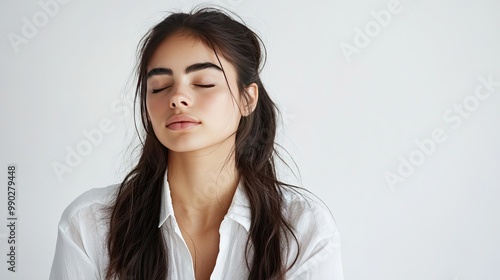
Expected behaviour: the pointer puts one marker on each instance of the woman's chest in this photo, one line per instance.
(216, 255)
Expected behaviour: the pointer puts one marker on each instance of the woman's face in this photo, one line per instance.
(185, 80)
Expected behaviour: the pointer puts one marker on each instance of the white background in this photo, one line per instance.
(349, 120)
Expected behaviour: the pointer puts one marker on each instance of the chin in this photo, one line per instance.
(182, 146)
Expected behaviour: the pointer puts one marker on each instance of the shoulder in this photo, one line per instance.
(88, 205)
(316, 254)
(308, 214)
(81, 251)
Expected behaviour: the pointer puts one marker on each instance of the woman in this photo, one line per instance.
(203, 201)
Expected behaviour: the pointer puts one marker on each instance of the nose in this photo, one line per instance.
(178, 99)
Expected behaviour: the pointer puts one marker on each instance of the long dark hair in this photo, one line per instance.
(136, 247)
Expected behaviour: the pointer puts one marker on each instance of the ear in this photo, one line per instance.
(252, 91)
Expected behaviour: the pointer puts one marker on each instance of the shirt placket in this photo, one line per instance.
(186, 268)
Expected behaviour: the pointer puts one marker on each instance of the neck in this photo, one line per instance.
(201, 187)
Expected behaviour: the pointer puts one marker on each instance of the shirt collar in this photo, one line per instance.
(239, 210)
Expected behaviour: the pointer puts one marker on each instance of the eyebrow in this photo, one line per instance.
(189, 69)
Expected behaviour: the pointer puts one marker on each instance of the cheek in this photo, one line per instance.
(219, 103)
(153, 107)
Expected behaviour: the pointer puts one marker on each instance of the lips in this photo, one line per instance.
(181, 121)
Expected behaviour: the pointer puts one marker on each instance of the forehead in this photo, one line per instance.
(180, 50)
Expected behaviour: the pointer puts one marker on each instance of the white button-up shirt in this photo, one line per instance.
(81, 251)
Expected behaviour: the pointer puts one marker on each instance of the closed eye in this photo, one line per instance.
(158, 90)
(205, 86)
